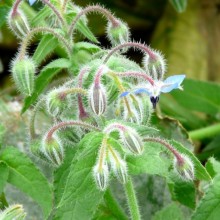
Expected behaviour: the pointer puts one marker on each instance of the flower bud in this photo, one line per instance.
(56, 101)
(52, 148)
(184, 167)
(118, 33)
(101, 175)
(18, 23)
(97, 99)
(155, 65)
(23, 73)
(13, 212)
(132, 141)
(118, 166)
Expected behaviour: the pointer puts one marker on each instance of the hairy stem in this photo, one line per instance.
(113, 205)
(82, 111)
(207, 132)
(34, 31)
(56, 12)
(69, 124)
(95, 8)
(178, 156)
(140, 46)
(15, 7)
(136, 75)
(132, 200)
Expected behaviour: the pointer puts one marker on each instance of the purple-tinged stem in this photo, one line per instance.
(15, 7)
(115, 126)
(95, 8)
(82, 111)
(137, 75)
(46, 2)
(178, 156)
(69, 124)
(140, 46)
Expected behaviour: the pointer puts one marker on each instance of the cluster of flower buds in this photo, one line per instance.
(23, 73)
(18, 23)
(184, 167)
(109, 161)
(13, 212)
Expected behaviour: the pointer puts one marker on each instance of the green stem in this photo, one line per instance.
(113, 205)
(207, 132)
(132, 200)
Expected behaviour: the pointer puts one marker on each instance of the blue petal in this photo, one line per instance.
(140, 90)
(31, 2)
(172, 82)
(124, 94)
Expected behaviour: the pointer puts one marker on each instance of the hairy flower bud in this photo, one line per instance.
(97, 99)
(101, 175)
(23, 73)
(132, 141)
(155, 65)
(184, 168)
(13, 212)
(118, 33)
(18, 23)
(118, 166)
(56, 101)
(52, 148)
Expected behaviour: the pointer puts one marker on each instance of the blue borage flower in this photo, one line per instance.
(31, 2)
(154, 90)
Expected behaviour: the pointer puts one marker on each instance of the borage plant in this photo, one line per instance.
(100, 131)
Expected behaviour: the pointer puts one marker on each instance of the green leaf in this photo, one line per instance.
(81, 196)
(61, 174)
(47, 44)
(213, 167)
(150, 162)
(4, 171)
(172, 211)
(86, 31)
(183, 192)
(43, 79)
(40, 16)
(209, 205)
(199, 96)
(26, 177)
(179, 5)
(200, 171)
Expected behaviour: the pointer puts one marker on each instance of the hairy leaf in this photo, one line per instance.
(44, 48)
(209, 205)
(26, 177)
(172, 211)
(81, 196)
